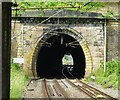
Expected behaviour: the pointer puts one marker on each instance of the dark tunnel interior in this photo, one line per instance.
(49, 60)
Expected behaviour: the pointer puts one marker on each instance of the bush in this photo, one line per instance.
(18, 81)
(108, 79)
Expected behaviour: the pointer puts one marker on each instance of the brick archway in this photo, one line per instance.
(71, 32)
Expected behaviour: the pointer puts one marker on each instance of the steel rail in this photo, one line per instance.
(81, 89)
(44, 89)
(62, 90)
(95, 90)
(59, 89)
(50, 91)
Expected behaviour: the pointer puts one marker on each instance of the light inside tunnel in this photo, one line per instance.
(67, 59)
(68, 64)
(49, 61)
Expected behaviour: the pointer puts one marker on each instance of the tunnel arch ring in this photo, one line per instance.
(63, 30)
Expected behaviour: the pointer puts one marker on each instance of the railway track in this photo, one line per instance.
(63, 88)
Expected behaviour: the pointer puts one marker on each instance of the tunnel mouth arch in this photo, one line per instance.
(49, 54)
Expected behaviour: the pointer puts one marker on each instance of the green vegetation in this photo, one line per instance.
(110, 78)
(80, 6)
(18, 81)
(109, 10)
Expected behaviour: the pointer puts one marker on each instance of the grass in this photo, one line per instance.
(110, 78)
(18, 81)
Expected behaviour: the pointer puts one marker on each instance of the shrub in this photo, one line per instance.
(18, 81)
(110, 78)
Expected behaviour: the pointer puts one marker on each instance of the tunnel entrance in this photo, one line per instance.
(50, 58)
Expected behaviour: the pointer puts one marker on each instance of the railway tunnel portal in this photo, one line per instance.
(43, 46)
(53, 48)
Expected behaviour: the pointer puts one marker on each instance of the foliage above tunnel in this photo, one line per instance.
(83, 6)
(107, 9)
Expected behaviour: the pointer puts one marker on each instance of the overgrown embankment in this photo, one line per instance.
(18, 81)
(109, 78)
